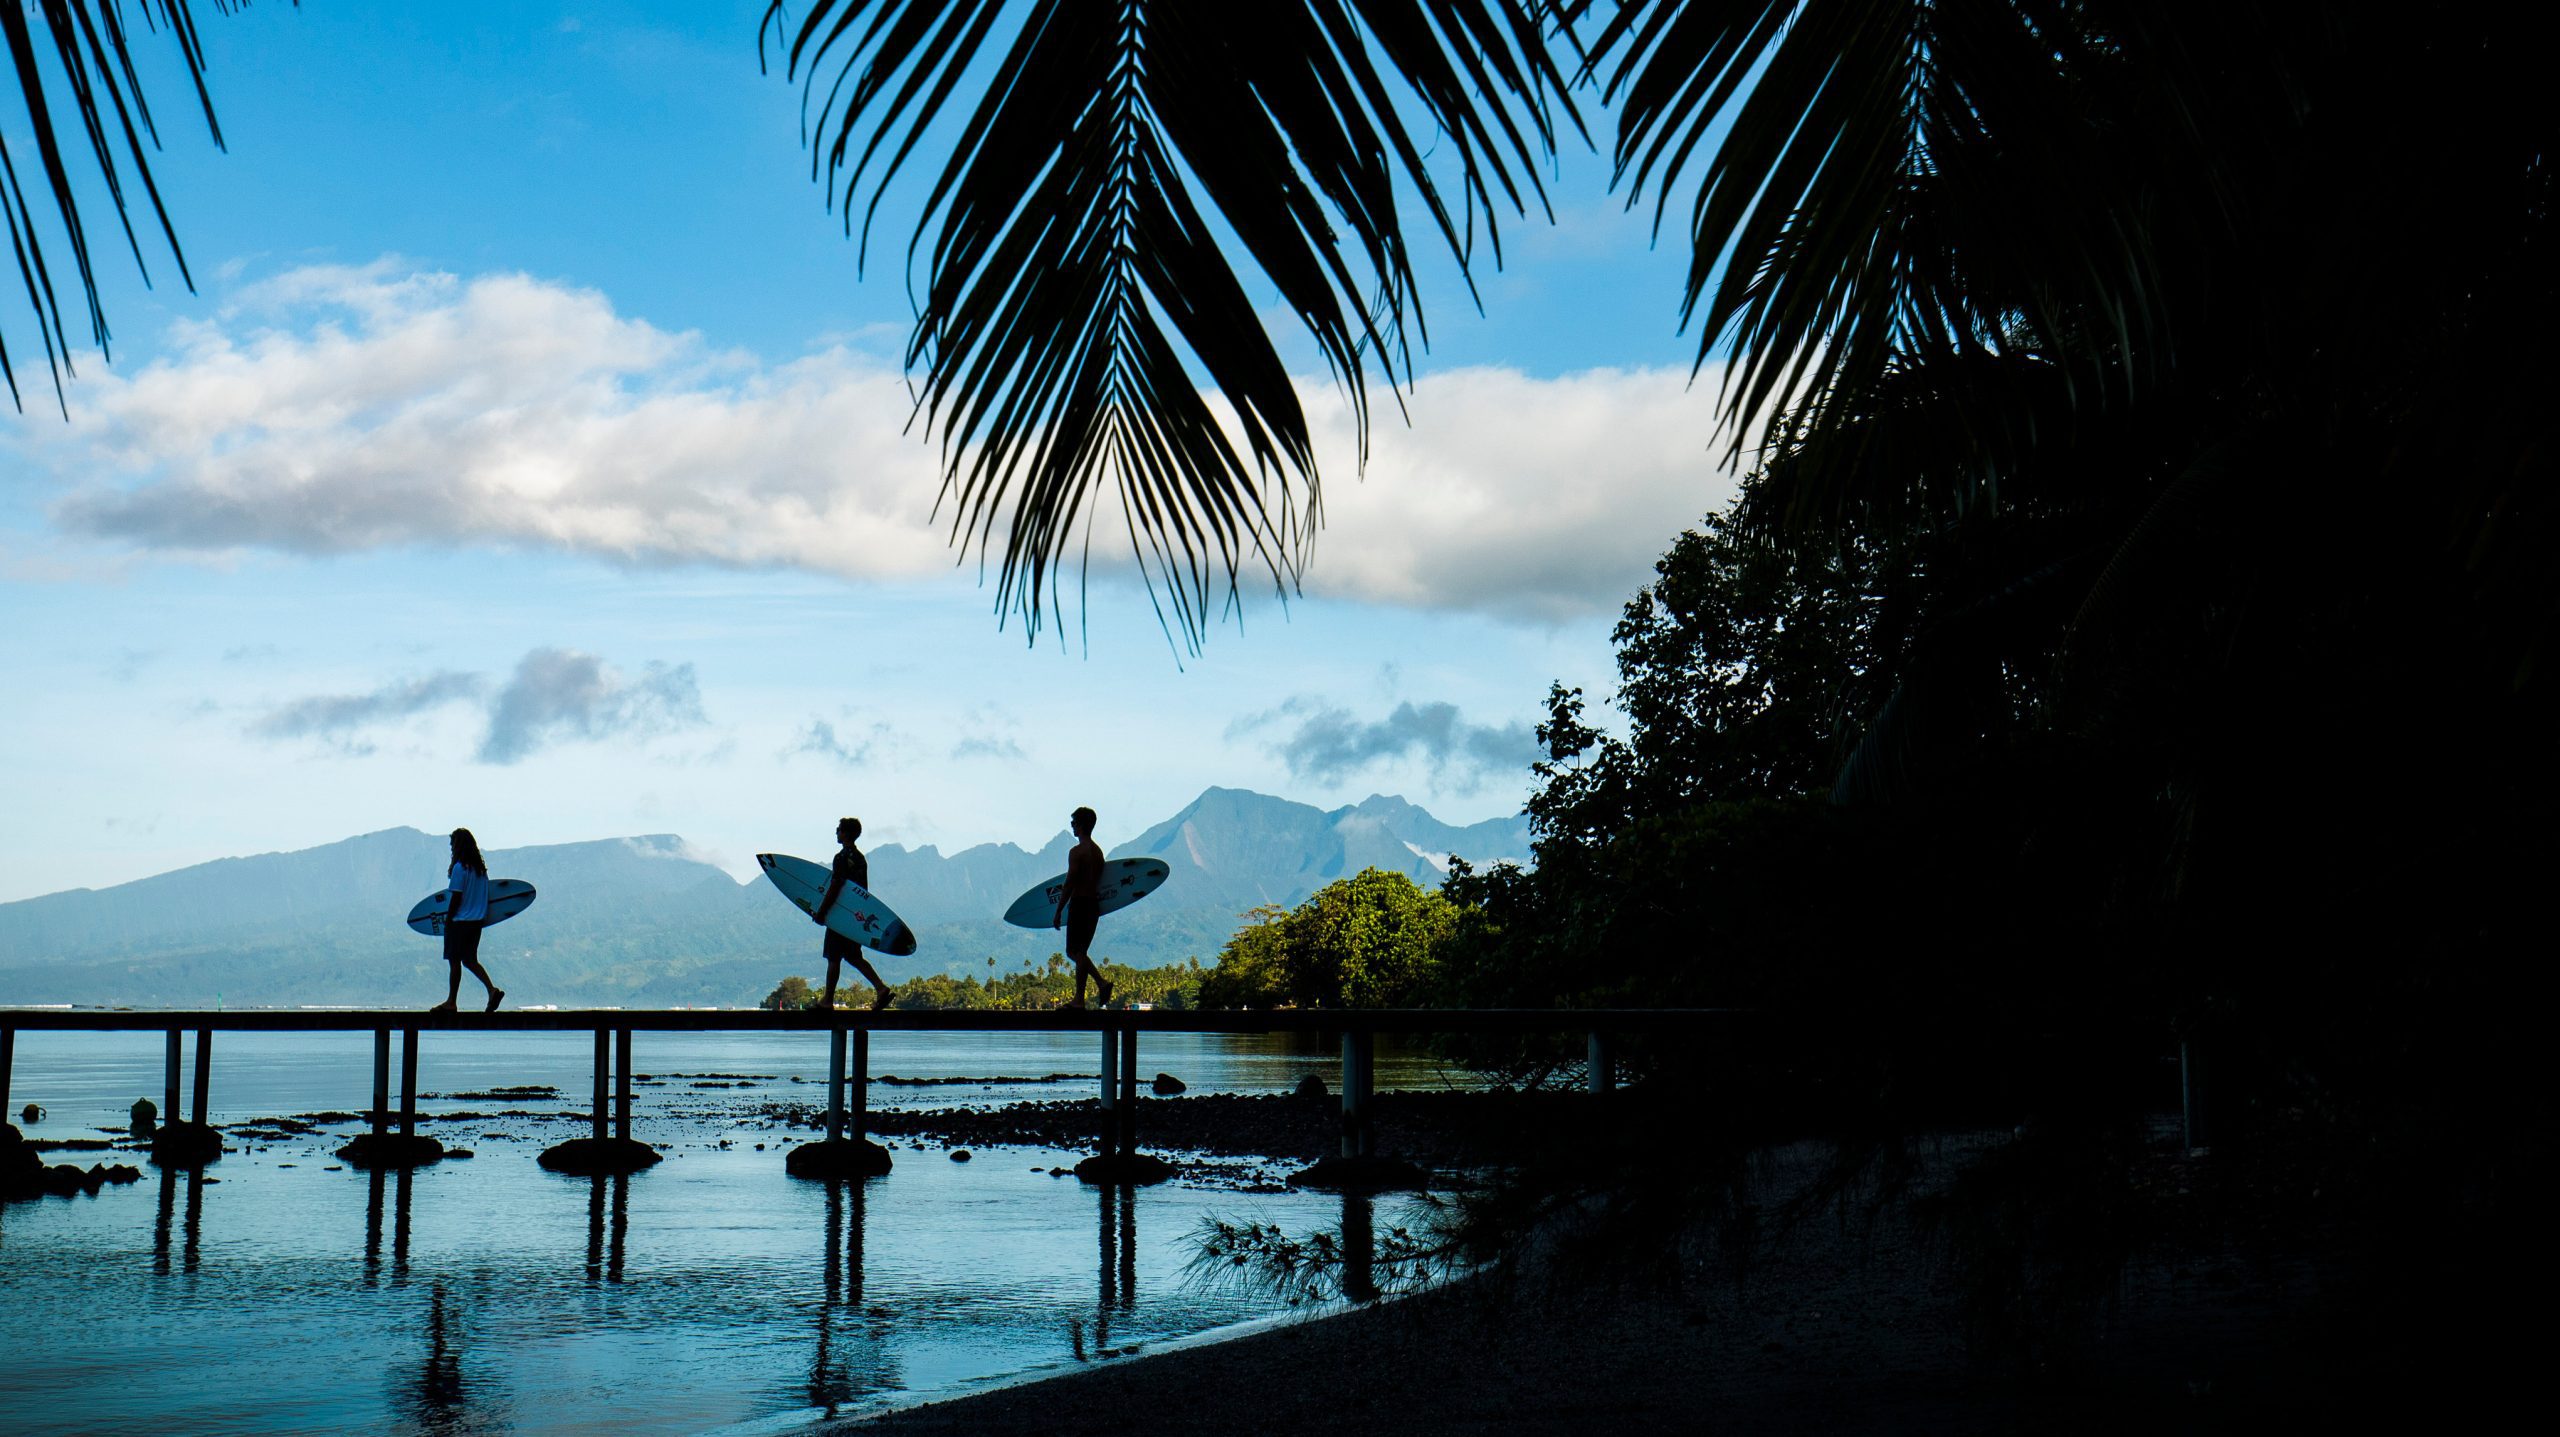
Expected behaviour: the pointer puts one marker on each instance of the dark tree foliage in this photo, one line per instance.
(1368, 941)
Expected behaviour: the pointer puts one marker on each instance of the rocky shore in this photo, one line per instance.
(25, 1174)
(1446, 1130)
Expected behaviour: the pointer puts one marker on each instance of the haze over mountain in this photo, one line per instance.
(644, 922)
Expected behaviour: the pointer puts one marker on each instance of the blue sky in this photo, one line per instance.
(530, 458)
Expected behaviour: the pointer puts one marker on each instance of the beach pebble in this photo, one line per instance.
(959, 1155)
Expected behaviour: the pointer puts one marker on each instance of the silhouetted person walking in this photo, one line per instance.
(465, 914)
(850, 867)
(1080, 906)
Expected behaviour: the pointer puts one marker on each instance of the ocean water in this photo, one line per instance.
(281, 1291)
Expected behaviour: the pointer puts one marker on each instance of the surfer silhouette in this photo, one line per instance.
(850, 867)
(465, 914)
(1080, 906)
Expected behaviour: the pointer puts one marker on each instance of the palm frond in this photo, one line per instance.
(1876, 179)
(1086, 245)
(92, 58)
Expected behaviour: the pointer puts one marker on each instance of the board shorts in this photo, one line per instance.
(840, 947)
(462, 939)
(1083, 915)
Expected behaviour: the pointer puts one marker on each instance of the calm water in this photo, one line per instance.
(710, 1292)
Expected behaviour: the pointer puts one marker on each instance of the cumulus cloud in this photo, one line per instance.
(1326, 744)
(1537, 499)
(336, 716)
(337, 409)
(555, 695)
(558, 694)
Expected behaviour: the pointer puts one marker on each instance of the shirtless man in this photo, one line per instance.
(1080, 906)
(850, 867)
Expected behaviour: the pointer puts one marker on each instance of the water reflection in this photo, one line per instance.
(439, 1398)
(189, 1232)
(833, 1380)
(1359, 1248)
(398, 1185)
(1116, 1224)
(608, 1222)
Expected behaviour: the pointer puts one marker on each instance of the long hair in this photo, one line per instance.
(466, 851)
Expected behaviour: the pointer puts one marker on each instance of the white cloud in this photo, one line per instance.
(555, 695)
(337, 409)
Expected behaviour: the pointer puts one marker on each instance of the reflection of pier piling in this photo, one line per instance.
(832, 1382)
(608, 1225)
(190, 1232)
(397, 1182)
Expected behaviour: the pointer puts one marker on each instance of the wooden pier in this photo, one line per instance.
(849, 1048)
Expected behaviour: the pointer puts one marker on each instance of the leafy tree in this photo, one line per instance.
(1367, 941)
(790, 996)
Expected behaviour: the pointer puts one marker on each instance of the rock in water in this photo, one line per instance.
(146, 1116)
(837, 1158)
(1311, 1086)
(1167, 1085)
(31, 1114)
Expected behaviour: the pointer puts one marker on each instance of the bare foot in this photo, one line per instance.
(444, 1007)
(494, 995)
(1102, 992)
(1075, 1003)
(880, 1002)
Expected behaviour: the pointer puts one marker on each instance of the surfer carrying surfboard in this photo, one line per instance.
(465, 914)
(850, 867)
(1080, 906)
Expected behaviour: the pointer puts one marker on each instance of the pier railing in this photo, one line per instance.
(849, 1032)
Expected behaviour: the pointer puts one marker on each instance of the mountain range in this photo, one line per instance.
(645, 922)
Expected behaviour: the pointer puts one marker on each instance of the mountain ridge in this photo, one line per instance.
(644, 920)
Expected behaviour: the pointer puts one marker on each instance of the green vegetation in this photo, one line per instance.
(1367, 941)
(1174, 985)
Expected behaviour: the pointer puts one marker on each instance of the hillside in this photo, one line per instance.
(642, 922)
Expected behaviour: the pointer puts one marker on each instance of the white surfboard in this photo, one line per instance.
(1124, 881)
(507, 898)
(858, 915)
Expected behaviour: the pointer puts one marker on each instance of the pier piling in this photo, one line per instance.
(8, 1059)
(380, 1112)
(169, 1108)
(204, 1071)
(622, 1083)
(835, 1085)
(408, 1081)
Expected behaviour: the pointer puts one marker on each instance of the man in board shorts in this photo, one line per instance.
(1080, 906)
(850, 867)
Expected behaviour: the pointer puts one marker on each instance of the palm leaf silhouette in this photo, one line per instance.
(92, 54)
(1085, 246)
